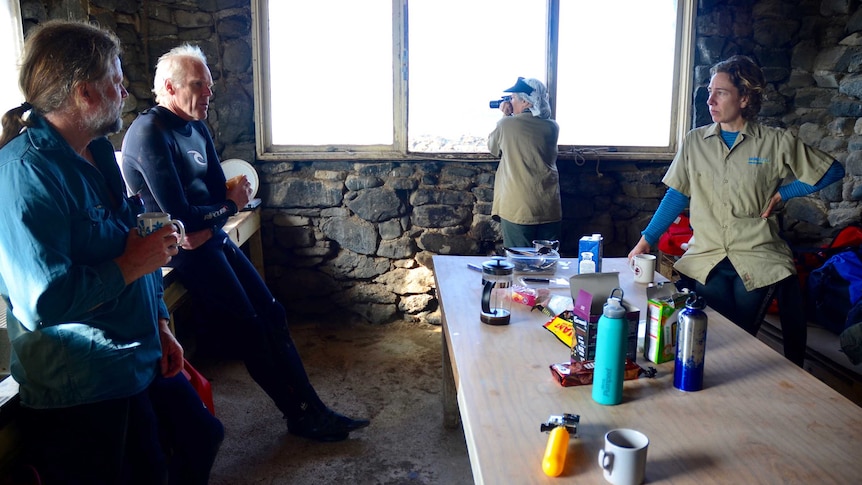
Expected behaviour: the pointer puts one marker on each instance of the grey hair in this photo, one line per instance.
(171, 67)
(538, 99)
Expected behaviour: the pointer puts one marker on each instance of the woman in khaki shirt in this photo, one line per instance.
(728, 174)
(526, 185)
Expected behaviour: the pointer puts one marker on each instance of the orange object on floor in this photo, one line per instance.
(201, 385)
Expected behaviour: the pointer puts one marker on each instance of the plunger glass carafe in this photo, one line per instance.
(497, 281)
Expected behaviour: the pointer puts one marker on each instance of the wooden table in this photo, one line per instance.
(759, 419)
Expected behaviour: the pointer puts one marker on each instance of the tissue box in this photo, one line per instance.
(586, 313)
(663, 305)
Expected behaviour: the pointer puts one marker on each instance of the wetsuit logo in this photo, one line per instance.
(197, 157)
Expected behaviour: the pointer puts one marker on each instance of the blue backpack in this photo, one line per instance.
(835, 291)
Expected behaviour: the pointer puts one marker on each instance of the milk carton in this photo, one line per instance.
(591, 244)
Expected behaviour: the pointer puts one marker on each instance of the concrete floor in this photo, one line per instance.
(388, 373)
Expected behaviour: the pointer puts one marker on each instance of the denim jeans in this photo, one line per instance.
(233, 297)
(725, 292)
(163, 435)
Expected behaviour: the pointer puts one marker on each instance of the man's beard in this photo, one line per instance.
(105, 121)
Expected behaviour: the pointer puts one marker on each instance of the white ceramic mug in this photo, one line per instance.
(643, 266)
(149, 222)
(623, 458)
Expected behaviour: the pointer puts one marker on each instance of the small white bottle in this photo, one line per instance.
(587, 265)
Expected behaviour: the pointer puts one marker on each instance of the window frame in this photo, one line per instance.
(680, 110)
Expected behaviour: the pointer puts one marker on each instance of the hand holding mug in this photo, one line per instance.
(239, 190)
(234, 181)
(143, 255)
(150, 222)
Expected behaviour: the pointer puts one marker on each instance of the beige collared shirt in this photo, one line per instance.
(527, 184)
(730, 188)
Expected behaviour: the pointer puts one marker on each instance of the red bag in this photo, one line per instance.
(201, 385)
(850, 236)
(677, 234)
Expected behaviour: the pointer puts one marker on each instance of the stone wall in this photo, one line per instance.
(359, 236)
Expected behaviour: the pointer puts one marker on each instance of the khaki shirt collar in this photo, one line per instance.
(749, 129)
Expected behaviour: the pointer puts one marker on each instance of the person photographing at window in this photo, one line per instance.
(102, 394)
(169, 158)
(729, 175)
(527, 184)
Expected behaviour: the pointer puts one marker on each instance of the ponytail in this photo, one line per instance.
(13, 123)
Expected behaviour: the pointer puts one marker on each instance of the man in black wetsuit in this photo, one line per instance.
(169, 158)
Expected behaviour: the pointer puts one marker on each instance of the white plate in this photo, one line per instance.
(234, 166)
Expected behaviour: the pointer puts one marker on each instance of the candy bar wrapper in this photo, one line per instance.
(580, 373)
(524, 295)
(561, 327)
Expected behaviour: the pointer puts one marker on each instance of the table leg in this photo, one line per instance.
(451, 415)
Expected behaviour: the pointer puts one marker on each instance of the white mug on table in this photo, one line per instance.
(643, 266)
(149, 222)
(623, 458)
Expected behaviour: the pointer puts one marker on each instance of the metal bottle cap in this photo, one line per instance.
(695, 302)
(498, 266)
(613, 308)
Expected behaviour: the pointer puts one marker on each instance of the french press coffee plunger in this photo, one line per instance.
(497, 280)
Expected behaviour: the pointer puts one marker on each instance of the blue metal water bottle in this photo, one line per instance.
(690, 345)
(610, 364)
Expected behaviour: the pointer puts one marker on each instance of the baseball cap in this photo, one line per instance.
(520, 87)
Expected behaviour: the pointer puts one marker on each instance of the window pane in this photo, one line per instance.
(462, 56)
(331, 72)
(12, 40)
(615, 76)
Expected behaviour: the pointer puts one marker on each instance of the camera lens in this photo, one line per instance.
(497, 102)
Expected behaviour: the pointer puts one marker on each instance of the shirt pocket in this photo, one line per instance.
(96, 236)
(755, 184)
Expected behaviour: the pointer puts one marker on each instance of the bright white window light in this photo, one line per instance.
(615, 78)
(331, 72)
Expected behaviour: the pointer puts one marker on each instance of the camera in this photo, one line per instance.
(497, 102)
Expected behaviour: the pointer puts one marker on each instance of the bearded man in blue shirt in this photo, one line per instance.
(103, 400)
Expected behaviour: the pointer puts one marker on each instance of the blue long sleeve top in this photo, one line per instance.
(79, 334)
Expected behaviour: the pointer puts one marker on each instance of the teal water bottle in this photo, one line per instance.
(610, 360)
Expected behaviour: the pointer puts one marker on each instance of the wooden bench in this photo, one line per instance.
(823, 357)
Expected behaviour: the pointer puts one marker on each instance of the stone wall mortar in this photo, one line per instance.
(359, 236)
